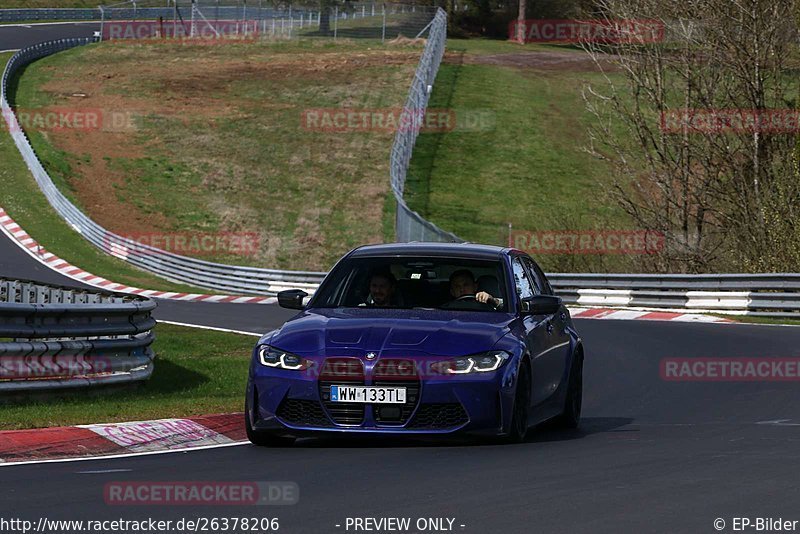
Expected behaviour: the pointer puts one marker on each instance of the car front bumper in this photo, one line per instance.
(289, 403)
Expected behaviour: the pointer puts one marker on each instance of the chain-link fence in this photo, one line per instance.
(410, 225)
(213, 19)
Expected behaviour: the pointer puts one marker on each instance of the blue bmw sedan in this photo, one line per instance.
(418, 338)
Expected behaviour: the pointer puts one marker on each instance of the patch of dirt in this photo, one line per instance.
(543, 60)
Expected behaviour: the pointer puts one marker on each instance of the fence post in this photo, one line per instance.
(192, 23)
(102, 20)
(335, 21)
(383, 25)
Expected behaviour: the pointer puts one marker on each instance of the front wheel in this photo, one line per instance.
(521, 408)
(571, 416)
(263, 439)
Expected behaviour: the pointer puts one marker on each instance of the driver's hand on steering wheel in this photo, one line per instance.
(485, 298)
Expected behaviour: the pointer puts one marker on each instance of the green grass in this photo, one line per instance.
(25, 203)
(196, 372)
(759, 320)
(528, 168)
(247, 166)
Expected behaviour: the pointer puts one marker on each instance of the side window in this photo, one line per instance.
(524, 287)
(538, 275)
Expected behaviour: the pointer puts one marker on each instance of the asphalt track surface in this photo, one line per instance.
(14, 36)
(650, 456)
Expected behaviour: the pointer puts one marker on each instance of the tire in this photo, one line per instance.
(571, 416)
(519, 412)
(263, 439)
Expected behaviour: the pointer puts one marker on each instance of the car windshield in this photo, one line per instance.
(415, 282)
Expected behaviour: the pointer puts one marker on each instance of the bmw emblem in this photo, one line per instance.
(371, 355)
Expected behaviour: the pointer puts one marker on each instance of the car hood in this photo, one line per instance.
(354, 331)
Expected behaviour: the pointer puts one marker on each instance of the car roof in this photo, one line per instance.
(460, 250)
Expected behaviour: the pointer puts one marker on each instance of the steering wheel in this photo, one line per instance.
(466, 297)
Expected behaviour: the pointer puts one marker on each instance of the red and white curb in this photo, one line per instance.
(21, 238)
(116, 439)
(644, 315)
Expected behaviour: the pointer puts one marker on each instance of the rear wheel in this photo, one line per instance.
(521, 408)
(571, 416)
(263, 439)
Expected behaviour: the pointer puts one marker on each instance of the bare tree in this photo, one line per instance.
(716, 191)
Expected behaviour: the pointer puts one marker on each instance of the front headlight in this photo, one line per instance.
(484, 362)
(272, 357)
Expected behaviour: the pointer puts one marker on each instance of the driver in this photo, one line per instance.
(382, 286)
(462, 284)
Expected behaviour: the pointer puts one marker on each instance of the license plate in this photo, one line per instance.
(368, 394)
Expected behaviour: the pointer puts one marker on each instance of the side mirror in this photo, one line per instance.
(292, 298)
(540, 305)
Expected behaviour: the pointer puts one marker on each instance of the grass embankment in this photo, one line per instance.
(529, 165)
(25, 203)
(216, 144)
(196, 372)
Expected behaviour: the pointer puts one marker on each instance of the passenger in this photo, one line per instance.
(462, 285)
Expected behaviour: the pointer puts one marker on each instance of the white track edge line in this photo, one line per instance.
(121, 455)
(216, 328)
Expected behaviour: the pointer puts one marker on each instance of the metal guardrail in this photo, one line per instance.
(141, 13)
(766, 295)
(53, 337)
(693, 282)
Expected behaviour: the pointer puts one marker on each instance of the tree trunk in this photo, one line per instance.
(523, 6)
